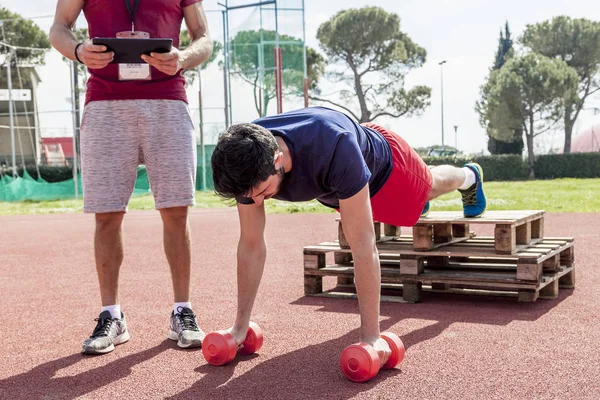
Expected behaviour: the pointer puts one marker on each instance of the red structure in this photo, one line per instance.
(587, 141)
(56, 150)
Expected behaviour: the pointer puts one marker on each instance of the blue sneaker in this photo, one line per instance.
(425, 211)
(473, 198)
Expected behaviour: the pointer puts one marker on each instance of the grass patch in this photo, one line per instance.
(559, 195)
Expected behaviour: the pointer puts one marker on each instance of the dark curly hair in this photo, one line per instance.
(243, 158)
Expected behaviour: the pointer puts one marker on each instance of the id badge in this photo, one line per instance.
(134, 72)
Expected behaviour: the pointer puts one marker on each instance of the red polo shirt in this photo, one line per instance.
(161, 19)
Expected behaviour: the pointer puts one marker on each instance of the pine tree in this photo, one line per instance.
(505, 51)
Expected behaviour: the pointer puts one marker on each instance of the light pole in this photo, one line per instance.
(442, 74)
(456, 137)
(11, 53)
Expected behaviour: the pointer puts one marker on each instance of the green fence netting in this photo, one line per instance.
(26, 188)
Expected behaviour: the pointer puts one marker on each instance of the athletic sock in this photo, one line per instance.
(470, 178)
(114, 310)
(186, 304)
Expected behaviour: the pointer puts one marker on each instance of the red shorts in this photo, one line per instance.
(401, 199)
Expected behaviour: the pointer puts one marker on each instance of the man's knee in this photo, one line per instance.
(109, 221)
(174, 214)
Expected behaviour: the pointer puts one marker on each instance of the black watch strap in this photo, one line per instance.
(76, 55)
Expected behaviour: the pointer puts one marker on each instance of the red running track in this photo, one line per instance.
(458, 347)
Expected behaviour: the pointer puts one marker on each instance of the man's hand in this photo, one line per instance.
(168, 63)
(94, 56)
(381, 347)
(239, 334)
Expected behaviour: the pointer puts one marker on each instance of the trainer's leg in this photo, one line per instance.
(108, 250)
(170, 156)
(109, 159)
(177, 243)
(169, 148)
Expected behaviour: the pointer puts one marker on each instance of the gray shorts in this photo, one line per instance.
(118, 135)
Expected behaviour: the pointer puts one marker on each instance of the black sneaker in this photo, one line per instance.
(184, 328)
(108, 333)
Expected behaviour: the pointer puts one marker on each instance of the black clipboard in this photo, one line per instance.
(129, 51)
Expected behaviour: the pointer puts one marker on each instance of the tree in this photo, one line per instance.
(252, 59)
(528, 93)
(18, 31)
(372, 57)
(505, 49)
(315, 69)
(576, 42)
(515, 144)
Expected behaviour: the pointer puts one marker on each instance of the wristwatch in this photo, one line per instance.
(76, 55)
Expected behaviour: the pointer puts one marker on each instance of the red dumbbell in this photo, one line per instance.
(219, 347)
(360, 362)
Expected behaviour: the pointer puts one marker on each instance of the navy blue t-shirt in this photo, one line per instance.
(333, 157)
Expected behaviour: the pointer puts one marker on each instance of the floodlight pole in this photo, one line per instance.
(202, 154)
(442, 74)
(225, 70)
(10, 112)
(278, 68)
(304, 55)
(73, 71)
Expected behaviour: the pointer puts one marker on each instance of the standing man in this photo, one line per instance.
(137, 113)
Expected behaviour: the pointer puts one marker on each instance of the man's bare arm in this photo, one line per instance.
(252, 252)
(201, 46)
(199, 50)
(357, 222)
(63, 40)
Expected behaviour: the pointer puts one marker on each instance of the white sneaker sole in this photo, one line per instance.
(122, 338)
(175, 336)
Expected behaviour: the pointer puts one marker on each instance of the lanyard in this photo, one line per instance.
(131, 12)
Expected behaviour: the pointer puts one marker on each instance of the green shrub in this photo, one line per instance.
(576, 165)
(495, 168)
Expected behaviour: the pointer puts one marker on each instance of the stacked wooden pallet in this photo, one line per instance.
(442, 254)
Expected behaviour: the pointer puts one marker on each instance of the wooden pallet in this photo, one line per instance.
(512, 230)
(537, 270)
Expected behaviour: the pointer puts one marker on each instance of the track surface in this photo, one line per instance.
(467, 347)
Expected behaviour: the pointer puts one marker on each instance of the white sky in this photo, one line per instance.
(463, 32)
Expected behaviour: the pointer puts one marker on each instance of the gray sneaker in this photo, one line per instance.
(184, 328)
(108, 333)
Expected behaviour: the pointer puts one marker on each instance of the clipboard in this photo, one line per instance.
(129, 51)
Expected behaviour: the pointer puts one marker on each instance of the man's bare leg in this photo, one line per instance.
(177, 244)
(468, 180)
(446, 179)
(111, 328)
(108, 251)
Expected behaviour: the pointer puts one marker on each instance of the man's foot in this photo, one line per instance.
(425, 211)
(473, 198)
(184, 328)
(108, 333)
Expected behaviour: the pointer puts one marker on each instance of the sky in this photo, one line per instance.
(464, 33)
